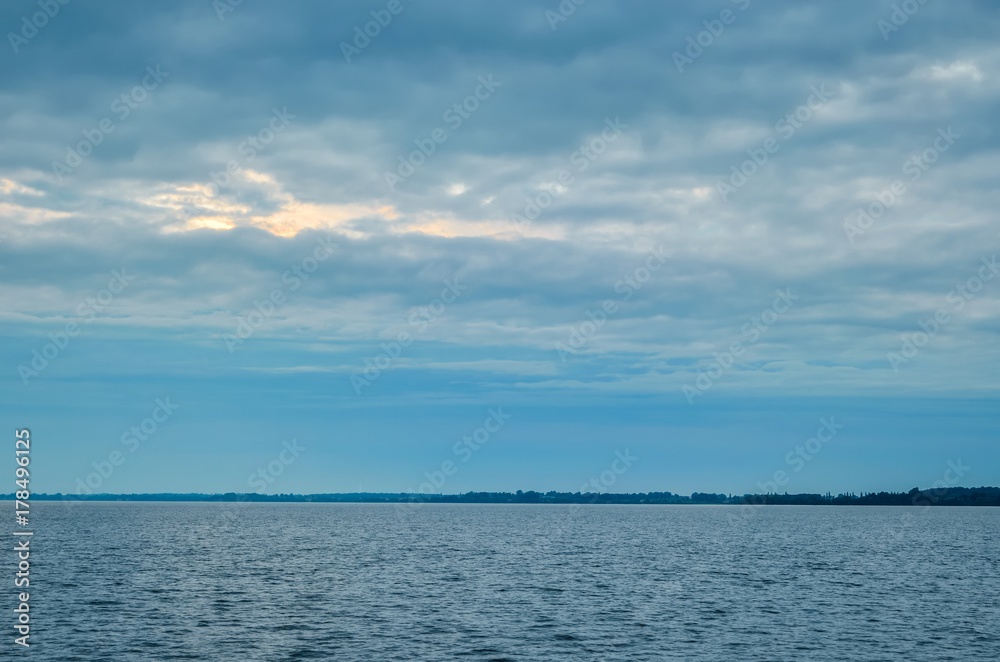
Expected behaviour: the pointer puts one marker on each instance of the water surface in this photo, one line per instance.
(209, 581)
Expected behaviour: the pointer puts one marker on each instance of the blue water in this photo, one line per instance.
(197, 581)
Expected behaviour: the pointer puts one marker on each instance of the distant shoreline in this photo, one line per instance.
(950, 496)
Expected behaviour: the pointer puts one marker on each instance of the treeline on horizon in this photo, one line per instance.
(946, 496)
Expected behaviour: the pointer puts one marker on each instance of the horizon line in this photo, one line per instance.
(950, 495)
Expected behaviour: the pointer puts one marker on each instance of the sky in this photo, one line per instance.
(417, 245)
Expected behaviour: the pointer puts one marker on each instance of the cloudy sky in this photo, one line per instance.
(250, 239)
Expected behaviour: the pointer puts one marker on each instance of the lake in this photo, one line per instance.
(210, 581)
